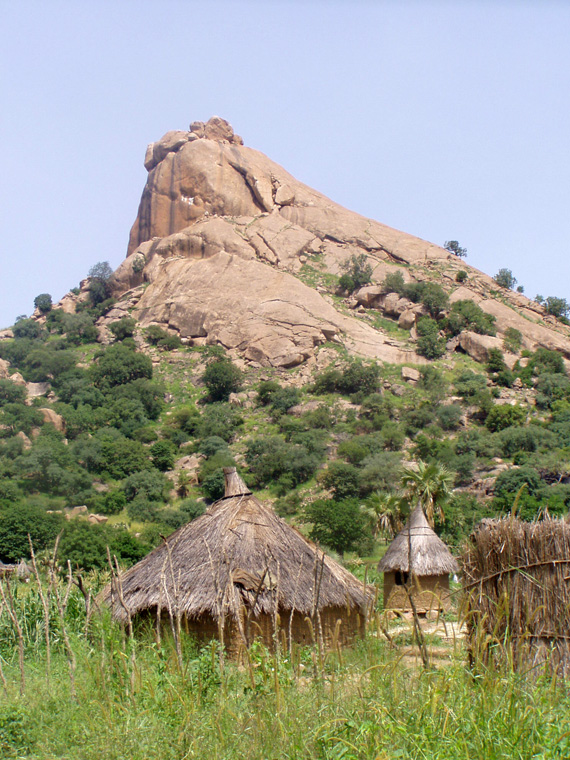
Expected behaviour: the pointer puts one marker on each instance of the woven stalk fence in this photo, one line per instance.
(516, 601)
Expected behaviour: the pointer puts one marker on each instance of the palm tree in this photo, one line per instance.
(429, 485)
(385, 510)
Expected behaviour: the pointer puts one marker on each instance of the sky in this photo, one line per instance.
(447, 120)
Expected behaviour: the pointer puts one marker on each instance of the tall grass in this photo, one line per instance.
(132, 699)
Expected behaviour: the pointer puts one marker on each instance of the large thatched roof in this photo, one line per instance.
(239, 552)
(430, 556)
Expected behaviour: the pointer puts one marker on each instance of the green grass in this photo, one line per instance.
(372, 705)
(133, 700)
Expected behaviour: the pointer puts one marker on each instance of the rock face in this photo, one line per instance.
(226, 242)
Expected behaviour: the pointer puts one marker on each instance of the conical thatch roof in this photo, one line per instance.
(239, 552)
(430, 556)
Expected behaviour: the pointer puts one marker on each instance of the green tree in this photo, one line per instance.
(503, 416)
(341, 525)
(163, 454)
(505, 279)
(119, 364)
(43, 303)
(558, 307)
(342, 478)
(453, 247)
(394, 283)
(100, 282)
(430, 343)
(148, 484)
(221, 378)
(430, 486)
(357, 273)
(512, 340)
(10, 393)
(17, 522)
(467, 315)
(123, 328)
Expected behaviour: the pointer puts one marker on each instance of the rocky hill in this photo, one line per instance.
(230, 248)
(256, 323)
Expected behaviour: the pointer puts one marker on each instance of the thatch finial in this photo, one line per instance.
(234, 484)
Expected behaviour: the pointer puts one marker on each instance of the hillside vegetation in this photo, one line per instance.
(138, 432)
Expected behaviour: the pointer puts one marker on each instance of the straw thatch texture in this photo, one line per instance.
(431, 564)
(430, 556)
(238, 559)
(517, 595)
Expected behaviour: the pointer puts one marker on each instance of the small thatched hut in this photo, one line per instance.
(239, 572)
(430, 566)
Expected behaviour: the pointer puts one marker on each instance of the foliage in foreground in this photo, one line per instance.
(369, 705)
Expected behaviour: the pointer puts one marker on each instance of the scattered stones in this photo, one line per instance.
(411, 374)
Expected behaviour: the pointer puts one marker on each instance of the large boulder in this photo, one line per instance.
(221, 228)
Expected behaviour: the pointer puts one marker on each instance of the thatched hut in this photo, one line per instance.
(431, 563)
(517, 592)
(239, 572)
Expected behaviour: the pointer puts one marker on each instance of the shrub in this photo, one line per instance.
(100, 286)
(10, 393)
(467, 315)
(461, 276)
(271, 457)
(449, 417)
(113, 502)
(515, 439)
(434, 298)
(221, 378)
(123, 328)
(353, 450)
(342, 478)
(551, 387)
(504, 416)
(43, 303)
(211, 445)
(430, 344)
(326, 382)
(380, 472)
(163, 454)
(119, 456)
(341, 525)
(156, 336)
(266, 391)
(79, 328)
(27, 328)
(453, 247)
(468, 384)
(148, 484)
(510, 481)
(505, 279)
(394, 283)
(495, 360)
(214, 485)
(357, 376)
(558, 307)
(119, 364)
(17, 522)
(143, 509)
(283, 399)
(219, 419)
(512, 340)
(358, 272)
(191, 508)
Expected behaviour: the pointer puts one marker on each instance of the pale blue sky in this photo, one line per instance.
(449, 120)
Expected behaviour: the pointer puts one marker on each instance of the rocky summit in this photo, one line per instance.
(228, 248)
